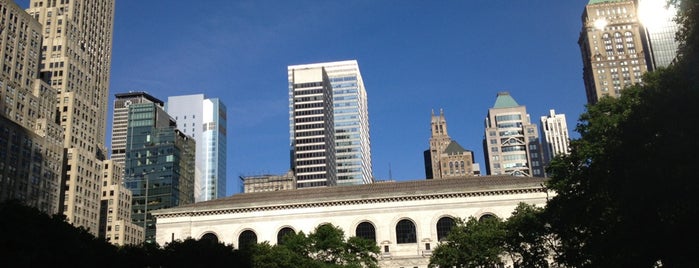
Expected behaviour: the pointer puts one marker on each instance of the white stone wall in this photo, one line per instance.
(383, 215)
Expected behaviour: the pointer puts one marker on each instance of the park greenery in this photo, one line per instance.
(625, 196)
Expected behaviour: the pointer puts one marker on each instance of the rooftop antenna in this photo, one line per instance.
(390, 176)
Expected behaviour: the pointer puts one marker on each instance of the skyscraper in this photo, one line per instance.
(312, 129)
(351, 120)
(204, 120)
(554, 135)
(611, 43)
(511, 142)
(31, 143)
(446, 158)
(657, 18)
(75, 60)
(159, 167)
(621, 40)
(122, 101)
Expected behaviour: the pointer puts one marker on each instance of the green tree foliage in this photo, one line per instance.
(525, 237)
(472, 243)
(627, 193)
(324, 247)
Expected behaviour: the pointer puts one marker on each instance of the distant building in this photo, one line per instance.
(116, 226)
(621, 40)
(446, 158)
(268, 183)
(120, 118)
(351, 120)
(159, 166)
(407, 220)
(204, 120)
(511, 142)
(312, 128)
(31, 142)
(554, 135)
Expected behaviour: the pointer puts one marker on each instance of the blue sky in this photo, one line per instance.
(415, 56)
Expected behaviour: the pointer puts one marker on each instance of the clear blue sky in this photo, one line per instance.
(415, 56)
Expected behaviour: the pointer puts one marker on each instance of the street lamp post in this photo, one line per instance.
(145, 209)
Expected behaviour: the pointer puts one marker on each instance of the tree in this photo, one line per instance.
(472, 243)
(32, 238)
(203, 252)
(626, 195)
(525, 237)
(324, 247)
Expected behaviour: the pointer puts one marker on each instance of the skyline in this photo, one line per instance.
(415, 57)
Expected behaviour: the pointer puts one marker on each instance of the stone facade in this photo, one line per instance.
(382, 207)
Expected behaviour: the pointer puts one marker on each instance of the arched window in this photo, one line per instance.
(209, 237)
(486, 217)
(247, 238)
(463, 169)
(451, 168)
(366, 230)
(405, 232)
(444, 226)
(282, 233)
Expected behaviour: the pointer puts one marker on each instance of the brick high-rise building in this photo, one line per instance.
(76, 60)
(621, 40)
(446, 158)
(31, 143)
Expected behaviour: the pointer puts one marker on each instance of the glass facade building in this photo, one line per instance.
(159, 166)
(204, 120)
(351, 120)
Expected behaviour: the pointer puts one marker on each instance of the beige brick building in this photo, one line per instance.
(612, 48)
(75, 60)
(116, 226)
(31, 151)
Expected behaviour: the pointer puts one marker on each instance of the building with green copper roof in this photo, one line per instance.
(511, 145)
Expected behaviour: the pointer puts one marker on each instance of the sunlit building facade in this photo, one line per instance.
(446, 158)
(116, 226)
(76, 61)
(351, 121)
(31, 142)
(511, 142)
(204, 119)
(554, 136)
(312, 129)
(621, 40)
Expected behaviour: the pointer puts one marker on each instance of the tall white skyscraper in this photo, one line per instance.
(554, 135)
(351, 120)
(204, 120)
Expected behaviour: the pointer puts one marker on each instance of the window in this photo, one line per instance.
(366, 230)
(444, 226)
(247, 238)
(405, 232)
(282, 233)
(210, 237)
